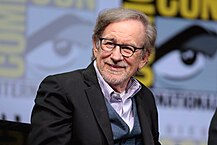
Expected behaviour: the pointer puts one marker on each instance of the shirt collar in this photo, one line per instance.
(132, 88)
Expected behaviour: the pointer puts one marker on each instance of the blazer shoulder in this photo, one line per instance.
(76, 75)
(147, 96)
(77, 78)
(147, 91)
(69, 75)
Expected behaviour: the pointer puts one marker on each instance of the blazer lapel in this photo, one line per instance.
(145, 127)
(97, 103)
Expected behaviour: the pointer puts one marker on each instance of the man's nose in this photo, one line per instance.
(116, 53)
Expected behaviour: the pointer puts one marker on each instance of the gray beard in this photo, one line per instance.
(112, 81)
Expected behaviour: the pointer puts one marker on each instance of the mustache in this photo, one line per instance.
(117, 64)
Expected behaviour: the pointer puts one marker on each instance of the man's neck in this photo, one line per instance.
(119, 87)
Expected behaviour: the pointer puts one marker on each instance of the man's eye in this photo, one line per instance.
(109, 44)
(127, 48)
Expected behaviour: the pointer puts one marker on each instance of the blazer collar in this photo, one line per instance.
(97, 102)
(143, 118)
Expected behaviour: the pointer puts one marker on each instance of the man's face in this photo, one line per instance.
(113, 66)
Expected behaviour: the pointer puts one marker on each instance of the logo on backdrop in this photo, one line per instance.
(41, 38)
(183, 63)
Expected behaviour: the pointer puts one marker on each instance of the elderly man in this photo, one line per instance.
(103, 104)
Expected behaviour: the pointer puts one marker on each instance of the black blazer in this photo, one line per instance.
(212, 137)
(70, 110)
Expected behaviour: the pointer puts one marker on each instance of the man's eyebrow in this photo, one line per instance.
(111, 39)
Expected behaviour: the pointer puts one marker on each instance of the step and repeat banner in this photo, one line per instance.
(43, 37)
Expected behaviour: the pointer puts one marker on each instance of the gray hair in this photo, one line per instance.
(109, 16)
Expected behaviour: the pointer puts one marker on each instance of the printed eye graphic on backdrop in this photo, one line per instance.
(184, 56)
(59, 45)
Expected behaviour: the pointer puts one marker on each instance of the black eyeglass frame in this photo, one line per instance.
(121, 47)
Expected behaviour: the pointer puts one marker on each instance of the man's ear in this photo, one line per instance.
(95, 48)
(144, 60)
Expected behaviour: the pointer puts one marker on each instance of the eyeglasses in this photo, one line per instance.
(108, 45)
